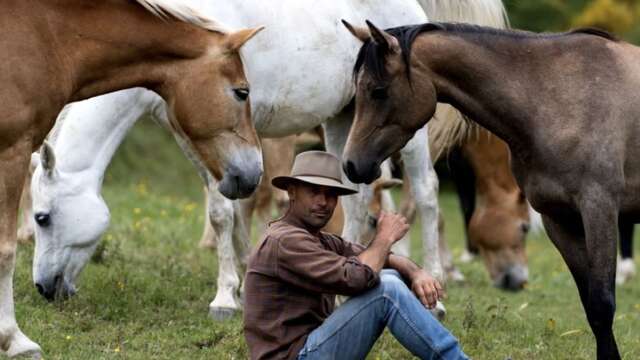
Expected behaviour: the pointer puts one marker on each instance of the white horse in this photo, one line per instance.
(300, 74)
(69, 211)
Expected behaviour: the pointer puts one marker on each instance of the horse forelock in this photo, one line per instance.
(179, 10)
(372, 56)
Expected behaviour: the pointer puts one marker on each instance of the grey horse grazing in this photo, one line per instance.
(566, 104)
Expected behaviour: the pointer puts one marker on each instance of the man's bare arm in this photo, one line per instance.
(426, 288)
(391, 228)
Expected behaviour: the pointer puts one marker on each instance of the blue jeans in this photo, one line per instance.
(353, 328)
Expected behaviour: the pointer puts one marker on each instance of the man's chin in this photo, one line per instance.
(318, 222)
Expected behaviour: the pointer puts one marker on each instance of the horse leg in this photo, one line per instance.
(355, 206)
(13, 162)
(424, 189)
(26, 229)
(450, 269)
(599, 212)
(209, 238)
(465, 183)
(626, 267)
(588, 247)
(221, 215)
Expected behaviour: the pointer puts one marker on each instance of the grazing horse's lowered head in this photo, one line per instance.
(70, 218)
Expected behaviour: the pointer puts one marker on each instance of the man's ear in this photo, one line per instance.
(291, 191)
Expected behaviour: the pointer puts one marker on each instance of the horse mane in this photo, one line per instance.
(594, 31)
(176, 9)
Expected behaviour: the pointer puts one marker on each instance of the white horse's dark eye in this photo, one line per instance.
(379, 93)
(372, 221)
(42, 219)
(241, 93)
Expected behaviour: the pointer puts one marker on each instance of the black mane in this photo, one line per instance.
(371, 56)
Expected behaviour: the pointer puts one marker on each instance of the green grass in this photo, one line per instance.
(147, 294)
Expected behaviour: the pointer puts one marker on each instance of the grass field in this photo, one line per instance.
(146, 294)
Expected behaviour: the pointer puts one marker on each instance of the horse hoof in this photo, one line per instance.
(439, 311)
(23, 348)
(455, 275)
(31, 355)
(625, 271)
(221, 313)
(467, 257)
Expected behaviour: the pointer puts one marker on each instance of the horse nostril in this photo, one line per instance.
(525, 227)
(349, 168)
(40, 289)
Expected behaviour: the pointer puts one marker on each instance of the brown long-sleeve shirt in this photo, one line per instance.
(290, 286)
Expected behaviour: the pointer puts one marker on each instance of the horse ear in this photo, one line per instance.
(235, 40)
(384, 39)
(47, 158)
(361, 34)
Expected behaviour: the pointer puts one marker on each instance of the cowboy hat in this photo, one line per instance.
(317, 168)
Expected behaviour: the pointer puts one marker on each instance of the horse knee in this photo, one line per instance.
(7, 253)
(221, 214)
(602, 307)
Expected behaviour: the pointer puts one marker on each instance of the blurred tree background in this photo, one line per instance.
(621, 17)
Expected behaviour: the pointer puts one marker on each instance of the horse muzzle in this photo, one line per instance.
(513, 279)
(55, 287)
(242, 176)
(361, 171)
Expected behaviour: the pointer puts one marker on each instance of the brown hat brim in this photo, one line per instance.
(281, 182)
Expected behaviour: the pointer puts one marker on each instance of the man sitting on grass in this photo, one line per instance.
(296, 270)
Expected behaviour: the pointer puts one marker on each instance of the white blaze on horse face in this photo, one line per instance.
(70, 218)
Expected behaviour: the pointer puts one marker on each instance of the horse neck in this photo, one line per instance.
(98, 56)
(92, 130)
(485, 87)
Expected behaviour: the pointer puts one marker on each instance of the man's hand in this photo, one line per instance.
(427, 288)
(391, 227)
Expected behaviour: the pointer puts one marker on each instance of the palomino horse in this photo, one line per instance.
(56, 52)
(575, 155)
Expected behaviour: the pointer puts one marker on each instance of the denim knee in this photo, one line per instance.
(391, 283)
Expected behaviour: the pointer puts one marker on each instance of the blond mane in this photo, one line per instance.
(449, 128)
(183, 11)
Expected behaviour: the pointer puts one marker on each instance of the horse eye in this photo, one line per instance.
(241, 93)
(379, 93)
(372, 220)
(42, 219)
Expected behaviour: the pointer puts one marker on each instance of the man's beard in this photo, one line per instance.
(317, 219)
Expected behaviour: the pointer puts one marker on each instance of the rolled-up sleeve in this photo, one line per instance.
(304, 262)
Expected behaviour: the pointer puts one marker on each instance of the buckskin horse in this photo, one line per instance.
(564, 103)
(55, 52)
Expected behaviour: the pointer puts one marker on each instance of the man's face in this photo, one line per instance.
(312, 204)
